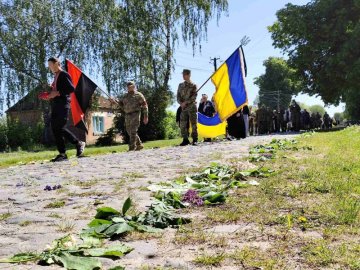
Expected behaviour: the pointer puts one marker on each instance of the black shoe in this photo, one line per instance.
(195, 142)
(61, 157)
(185, 142)
(80, 147)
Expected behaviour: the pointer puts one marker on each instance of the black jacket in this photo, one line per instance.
(65, 86)
(246, 110)
(206, 108)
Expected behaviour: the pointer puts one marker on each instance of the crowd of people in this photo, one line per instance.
(246, 122)
(133, 105)
(265, 120)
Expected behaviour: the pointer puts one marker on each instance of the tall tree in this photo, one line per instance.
(278, 84)
(123, 39)
(155, 28)
(322, 39)
(33, 30)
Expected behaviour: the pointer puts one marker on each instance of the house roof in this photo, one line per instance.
(105, 103)
(31, 102)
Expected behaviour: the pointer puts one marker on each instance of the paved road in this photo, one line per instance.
(109, 179)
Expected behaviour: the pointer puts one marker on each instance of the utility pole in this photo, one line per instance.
(214, 61)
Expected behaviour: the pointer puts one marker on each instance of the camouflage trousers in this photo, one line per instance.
(132, 123)
(189, 113)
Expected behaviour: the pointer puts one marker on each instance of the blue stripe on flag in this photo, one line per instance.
(237, 85)
(209, 121)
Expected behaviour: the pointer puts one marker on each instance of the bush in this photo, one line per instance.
(3, 135)
(108, 138)
(22, 136)
(171, 127)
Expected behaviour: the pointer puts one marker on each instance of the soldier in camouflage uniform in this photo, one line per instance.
(132, 104)
(186, 97)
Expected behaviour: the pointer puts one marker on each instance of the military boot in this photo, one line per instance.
(139, 147)
(195, 141)
(185, 142)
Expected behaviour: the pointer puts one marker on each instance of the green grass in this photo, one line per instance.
(5, 216)
(210, 259)
(56, 204)
(308, 209)
(25, 157)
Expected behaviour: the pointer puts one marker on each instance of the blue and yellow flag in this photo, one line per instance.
(210, 127)
(229, 81)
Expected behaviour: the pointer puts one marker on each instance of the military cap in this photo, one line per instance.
(186, 71)
(130, 83)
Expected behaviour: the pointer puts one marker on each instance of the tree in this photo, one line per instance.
(339, 117)
(256, 101)
(123, 39)
(155, 27)
(31, 31)
(278, 84)
(321, 39)
(317, 109)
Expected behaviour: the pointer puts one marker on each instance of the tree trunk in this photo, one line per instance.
(168, 52)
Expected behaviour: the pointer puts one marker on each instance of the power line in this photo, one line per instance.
(193, 68)
(214, 61)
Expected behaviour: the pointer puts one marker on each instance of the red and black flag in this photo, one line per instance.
(81, 98)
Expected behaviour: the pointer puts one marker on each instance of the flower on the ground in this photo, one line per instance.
(192, 196)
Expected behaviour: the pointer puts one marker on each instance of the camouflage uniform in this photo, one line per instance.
(187, 93)
(252, 124)
(132, 104)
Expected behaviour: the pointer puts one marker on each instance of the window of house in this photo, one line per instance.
(98, 124)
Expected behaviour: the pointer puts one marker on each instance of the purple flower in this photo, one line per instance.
(192, 196)
(56, 187)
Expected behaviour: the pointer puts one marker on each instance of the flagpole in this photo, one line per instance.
(216, 70)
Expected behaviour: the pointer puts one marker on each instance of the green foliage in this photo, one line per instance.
(339, 116)
(132, 39)
(158, 100)
(320, 39)
(268, 151)
(317, 109)
(108, 138)
(313, 108)
(29, 36)
(170, 198)
(278, 84)
(67, 253)
(56, 204)
(171, 127)
(3, 135)
(109, 222)
(161, 215)
(143, 47)
(209, 187)
(20, 135)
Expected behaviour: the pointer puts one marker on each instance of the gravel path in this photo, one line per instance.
(108, 179)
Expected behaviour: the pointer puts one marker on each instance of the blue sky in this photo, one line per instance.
(249, 18)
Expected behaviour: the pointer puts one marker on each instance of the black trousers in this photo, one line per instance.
(59, 119)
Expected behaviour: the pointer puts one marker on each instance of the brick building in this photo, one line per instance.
(30, 111)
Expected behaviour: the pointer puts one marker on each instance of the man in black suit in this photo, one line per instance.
(59, 95)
